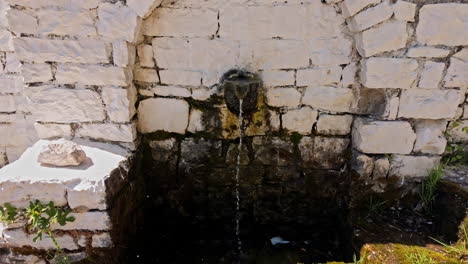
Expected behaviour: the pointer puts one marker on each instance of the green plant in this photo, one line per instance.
(460, 249)
(375, 205)
(360, 260)
(454, 153)
(429, 187)
(40, 218)
(419, 258)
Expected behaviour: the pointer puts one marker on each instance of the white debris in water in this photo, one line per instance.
(278, 240)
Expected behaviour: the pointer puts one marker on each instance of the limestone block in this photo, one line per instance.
(319, 76)
(430, 136)
(120, 103)
(68, 4)
(278, 54)
(174, 22)
(278, 78)
(208, 151)
(412, 166)
(349, 74)
(171, 91)
(12, 63)
(146, 75)
(389, 73)
(153, 115)
(196, 121)
(300, 120)
(19, 194)
(329, 98)
(431, 75)
(283, 97)
(274, 151)
(362, 164)
(103, 240)
(180, 77)
(370, 17)
(92, 221)
(404, 10)
(48, 131)
(123, 53)
(75, 105)
(61, 153)
(39, 72)
(43, 50)
(334, 125)
(205, 55)
(456, 73)
(443, 24)
(429, 104)
(172, 53)
(7, 103)
(381, 168)
(91, 75)
(117, 21)
(19, 238)
(203, 93)
(87, 196)
(331, 51)
(11, 84)
(462, 55)
(323, 152)
(143, 7)
(456, 133)
(352, 7)
(145, 54)
(108, 132)
(6, 43)
(66, 22)
(389, 36)
(378, 137)
(427, 52)
(22, 21)
(274, 120)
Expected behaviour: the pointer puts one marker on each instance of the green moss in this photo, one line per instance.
(295, 138)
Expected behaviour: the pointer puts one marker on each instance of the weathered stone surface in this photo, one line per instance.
(233, 153)
(69, 4)
(362, 164)
(274, 151)
(300, 120)
(274, 120)
(456, 73)
(456, 133)
(19, 195)
(352, 7)
(283, 97)
(146, 75)
(123, 53)
(47, 131)
(108, 132)
(349, 74)
(208, 151)
(180, 77)
(12, 63)
(429, 104)
(66, 22)
(196, 121)
(430, 136)
(62, 153)
(431, 75)
(103, 240)
(182, 22)
(22, 21)
(11, 84)
(145, 54)
(143, 7)
(171, 91)
(388, 36)
(370, 17)
(334, 125)
(329, 98)
(42, 50)
(278, 54)
(443, 24)
(319, 76)
(120, 103)
(153, 115)
(19, 238)
(381, 168)
(278, 78)
(75, 105)
(117, 21)
(404, 10)
(331, 52)
(389, 73)
(427, 52)
(378, 137)
(323, 152)
(91, 75)
(92, 221)
(412, 166)
(6, 42)
(7, 104)
(38, 72)
(87, 196)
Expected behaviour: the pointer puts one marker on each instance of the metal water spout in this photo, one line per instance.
(240, 85)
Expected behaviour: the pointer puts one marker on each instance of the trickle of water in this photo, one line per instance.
(241, 124)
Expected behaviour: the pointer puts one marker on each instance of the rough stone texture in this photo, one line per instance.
(117, 21)
(39, 72)
(75, 105)
(456, 133)
(7, 104)
(352, 7)
(349, 75)
(72, 23)
(371, 17)
(103, 240)
(275, 151)
(171, 77)
(329, 98)
(404, 10)
(92, 221)
(143, 7)
(381, 168)
(431, 75)
(362, 164)
(300, 120)
(323, 152)
(22, 21)
(146, 75)
(153, 115)
(278, 78)
(62, 153)
(108, 132)
(196, 121)
(429, 104)
(456, 73)
(18, 238)
(334, 125)
(123, 53)
(389, 36)
(120, 103)
(389, 73)
(145, 53)
(91, 75)
(378, 137)
(283, 97)
(412, 166)
(450, 21)
(319, 76)
(427, 52)
(47, 131)
(430, 136)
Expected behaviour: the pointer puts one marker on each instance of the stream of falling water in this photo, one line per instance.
(241, 124)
